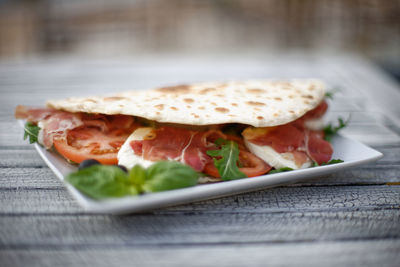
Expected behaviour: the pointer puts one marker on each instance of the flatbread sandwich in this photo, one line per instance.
(255, 126)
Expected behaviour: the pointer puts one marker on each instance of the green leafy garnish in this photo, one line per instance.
(332, 161)
(284, 169)
(137, 176)
(102, 181)
(226, 159)
(168, 175)
(31, 131)
(330, 130)
(331, 93)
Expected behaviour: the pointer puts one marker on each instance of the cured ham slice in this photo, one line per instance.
(170, 143)
(317, 112)
(56, 124)
(292, 141)
(312, 119)
(282, 139)
(53, 123)
(33, 115)
(318, 149)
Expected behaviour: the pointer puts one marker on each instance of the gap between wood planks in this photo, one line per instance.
(82, 247)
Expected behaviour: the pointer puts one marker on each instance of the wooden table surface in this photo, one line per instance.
(349, 218)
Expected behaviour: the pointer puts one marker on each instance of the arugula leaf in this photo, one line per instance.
(332, 161)
(226, 159)
(168, 175)
(330, 131)
(102, 181)
(331, 93)
(284, 169)
(31, 131)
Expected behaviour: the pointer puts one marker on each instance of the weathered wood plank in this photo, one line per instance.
(23, 158)
(281, 199)
(368, 253)
(374, 174)
(196, 228)
(57, 200)
(33, 178)
(11, 134)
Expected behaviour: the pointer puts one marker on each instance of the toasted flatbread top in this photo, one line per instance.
(257, 103)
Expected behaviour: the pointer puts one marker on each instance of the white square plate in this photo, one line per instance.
(351, 152)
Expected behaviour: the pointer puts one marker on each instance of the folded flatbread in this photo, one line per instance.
(256, 103)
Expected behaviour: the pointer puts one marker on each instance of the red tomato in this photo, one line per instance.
(91, 143)
(252, 165)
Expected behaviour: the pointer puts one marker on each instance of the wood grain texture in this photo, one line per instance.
(350, 253)
(43, 231)
(348, 218)
(21, 158)
(281, 199)
(32, 178)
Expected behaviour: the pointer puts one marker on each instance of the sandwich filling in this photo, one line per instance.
(121, 139)
(149, 145)
(295, 145)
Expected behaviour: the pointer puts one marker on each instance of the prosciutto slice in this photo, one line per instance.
(318, 149)
(56, 124)
(53, 123)
(33, 115)
(317, 112)
(297, 140)
(285, 138)
(170, 143)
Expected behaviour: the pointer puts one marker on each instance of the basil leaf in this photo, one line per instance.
(226, 159)
(102, 181)
(31, 131)
(330, 131)
(168, 175)
(332, 161)
(284, 169)
(137, 176)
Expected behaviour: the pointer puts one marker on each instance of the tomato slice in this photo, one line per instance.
(252, 165)
(91, 143)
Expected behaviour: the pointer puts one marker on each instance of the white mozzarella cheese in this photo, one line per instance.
(275, 159)
(41, 133)
(126, 155)
(315, 124)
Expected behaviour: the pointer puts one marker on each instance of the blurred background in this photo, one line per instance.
(104, 28)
